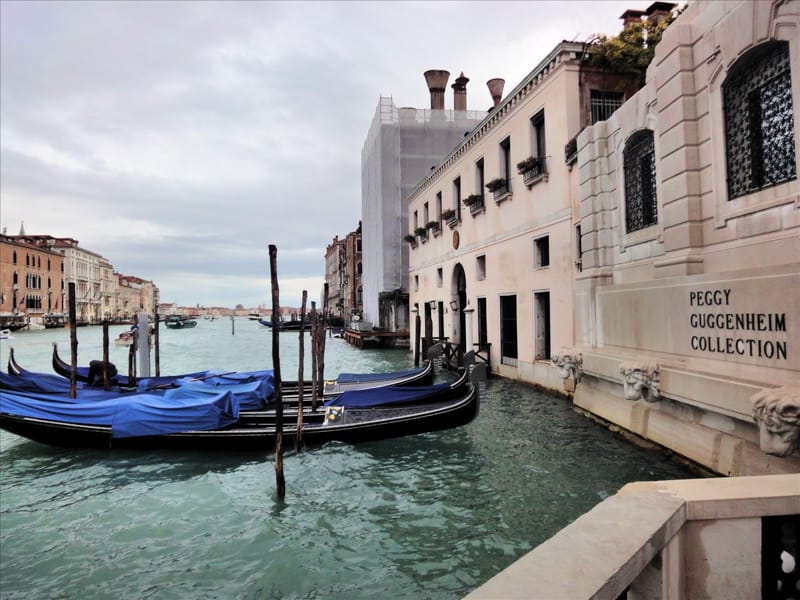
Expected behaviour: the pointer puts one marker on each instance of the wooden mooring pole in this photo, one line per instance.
(106, 379)
(416, 339)
(156, 344)
(322, 338)
(298, 440)
(73, 343)
(280, 481)
(314, 357)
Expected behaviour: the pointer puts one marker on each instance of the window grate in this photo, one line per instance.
(641, 203)
(759, 122)
(603, 104)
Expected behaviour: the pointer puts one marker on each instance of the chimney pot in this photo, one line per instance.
(460, 92)
(437, 82)
(496, 89)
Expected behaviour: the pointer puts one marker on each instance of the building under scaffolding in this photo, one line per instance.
(401, 148)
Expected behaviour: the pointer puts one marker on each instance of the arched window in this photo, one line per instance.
(641, 204)
(358, 268)
(14, 257)
(759, 122)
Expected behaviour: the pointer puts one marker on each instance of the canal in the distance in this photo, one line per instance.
(429, 516)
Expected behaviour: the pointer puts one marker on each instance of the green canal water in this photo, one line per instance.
(428, 516)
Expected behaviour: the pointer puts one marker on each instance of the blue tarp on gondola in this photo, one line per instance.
(174, 411)
(360, 377)
(386, 395)
(251, 389)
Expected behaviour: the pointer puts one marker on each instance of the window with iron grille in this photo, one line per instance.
(604, 104)
(639, 158)
(759, 122)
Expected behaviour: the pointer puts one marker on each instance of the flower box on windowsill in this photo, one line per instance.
(502, 194)
(475, 203)
(450, 217)
(533, 169)
(496, 184)
(411, 239)
(422, 233)
(477, 208)
(434, 227)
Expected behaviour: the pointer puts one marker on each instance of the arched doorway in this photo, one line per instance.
(458, 295)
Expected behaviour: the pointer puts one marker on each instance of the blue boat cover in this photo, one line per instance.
(173, 411)
(36, 382)
(251, 390)
(385, 395)
(358, 377)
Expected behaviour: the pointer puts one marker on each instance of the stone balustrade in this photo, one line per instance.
(668, 540)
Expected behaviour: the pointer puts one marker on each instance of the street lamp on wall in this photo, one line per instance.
(454, 304)
(432, 304)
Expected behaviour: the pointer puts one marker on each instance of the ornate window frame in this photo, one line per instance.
(719, 64)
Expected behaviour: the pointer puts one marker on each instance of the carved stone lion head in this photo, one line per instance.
(777, 413)
(569, 364)
(640, 381)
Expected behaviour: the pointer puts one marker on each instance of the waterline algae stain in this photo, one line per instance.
(431, 516)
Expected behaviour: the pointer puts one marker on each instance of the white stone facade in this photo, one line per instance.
(705, 285)
(498, 273)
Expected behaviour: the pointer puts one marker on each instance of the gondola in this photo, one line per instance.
(254, 391)
(423, 375)
(293, 325)
(351, 424)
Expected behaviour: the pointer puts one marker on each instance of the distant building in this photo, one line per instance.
(402, 146)
(687, 308)
(343, 268)
(31, 281)
(100, 293)
(136, 295)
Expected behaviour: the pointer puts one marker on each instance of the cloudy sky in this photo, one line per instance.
(180, 139)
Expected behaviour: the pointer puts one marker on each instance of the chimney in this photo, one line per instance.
(460, 92)
(658, 11)
(631, 17)
(437, 81)
(496, 89)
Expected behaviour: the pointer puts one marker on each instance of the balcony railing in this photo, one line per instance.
(537, 171)
(571, 151)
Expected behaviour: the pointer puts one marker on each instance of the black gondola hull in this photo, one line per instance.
(357, 426)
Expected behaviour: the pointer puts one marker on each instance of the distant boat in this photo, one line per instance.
(254, 316)
(176, 322)
(5, 334)
(293, 325)
(54, 320)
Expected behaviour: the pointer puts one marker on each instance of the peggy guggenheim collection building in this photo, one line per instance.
(687, 310)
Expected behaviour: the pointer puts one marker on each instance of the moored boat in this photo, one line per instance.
(423, 375)
(83, 428)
